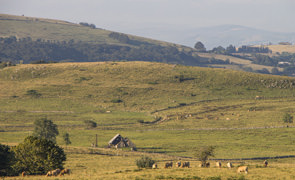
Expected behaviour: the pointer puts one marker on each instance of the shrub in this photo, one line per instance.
(287, 118)
(116, 101)
(33, 93)
(90, 124)
(66, 138)
(38, 156)
(145, 162)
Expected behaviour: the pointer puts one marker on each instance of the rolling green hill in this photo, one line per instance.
(145, 100)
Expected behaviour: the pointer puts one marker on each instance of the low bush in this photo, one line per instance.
(145, 162)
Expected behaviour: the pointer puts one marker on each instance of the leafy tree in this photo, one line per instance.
(199, 46)
(45, 129)
(230, 49)
(66, 138)
(287, 118)
(145, 162)
(204, 153)
(6, 160)
(38, 156)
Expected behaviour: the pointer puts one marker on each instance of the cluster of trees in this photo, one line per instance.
(87, 25)
(249, 49)
(27, 51)
(37, 154)
(123, 38)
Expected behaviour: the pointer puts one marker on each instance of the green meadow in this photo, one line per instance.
(168, 112)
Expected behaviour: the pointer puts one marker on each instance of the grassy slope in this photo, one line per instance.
(215, 98)
(50, 29)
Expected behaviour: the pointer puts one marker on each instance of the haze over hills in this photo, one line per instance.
(222, 35)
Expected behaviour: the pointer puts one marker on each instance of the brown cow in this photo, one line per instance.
(205, 164)
(53, 172)
(185, 164)
(168, 164)
(24, 173)
(265, 163)
(178, 164)
(64, 171)
(243, 169)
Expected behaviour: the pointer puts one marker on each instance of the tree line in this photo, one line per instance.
(26, 50)
(258, 55)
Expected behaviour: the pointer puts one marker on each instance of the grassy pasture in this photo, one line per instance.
(122, 166)
(282, 48)
(168, 111)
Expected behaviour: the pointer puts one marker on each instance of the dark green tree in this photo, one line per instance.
(199, 46)
(230, 49)
(66, 138)
(6, 160)
(45, 129)
(38, 156)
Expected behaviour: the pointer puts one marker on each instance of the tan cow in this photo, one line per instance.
(168, 164)
(218, 164)
(53, 172)
(265, 163)
(155, 166)
(185, 164)
(243, 169)
(64, 171)
(229, 165)
(178, 164)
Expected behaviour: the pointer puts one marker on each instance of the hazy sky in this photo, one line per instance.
(123, 15)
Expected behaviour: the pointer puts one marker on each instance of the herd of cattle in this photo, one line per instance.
(207, 164)
(178, 164)
(55, 172)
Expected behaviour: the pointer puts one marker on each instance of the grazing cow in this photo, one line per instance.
(155, 166)
(24, 173)
(185, 164)
(218, 164)
(168, 164)
(178, 164)
(265, 163)
(229, 165)
(243, 169)
(64, 171)
(53, 172)
(204, 164)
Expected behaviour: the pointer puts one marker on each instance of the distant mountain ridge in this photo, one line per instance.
(236, 35)
(222, 35)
